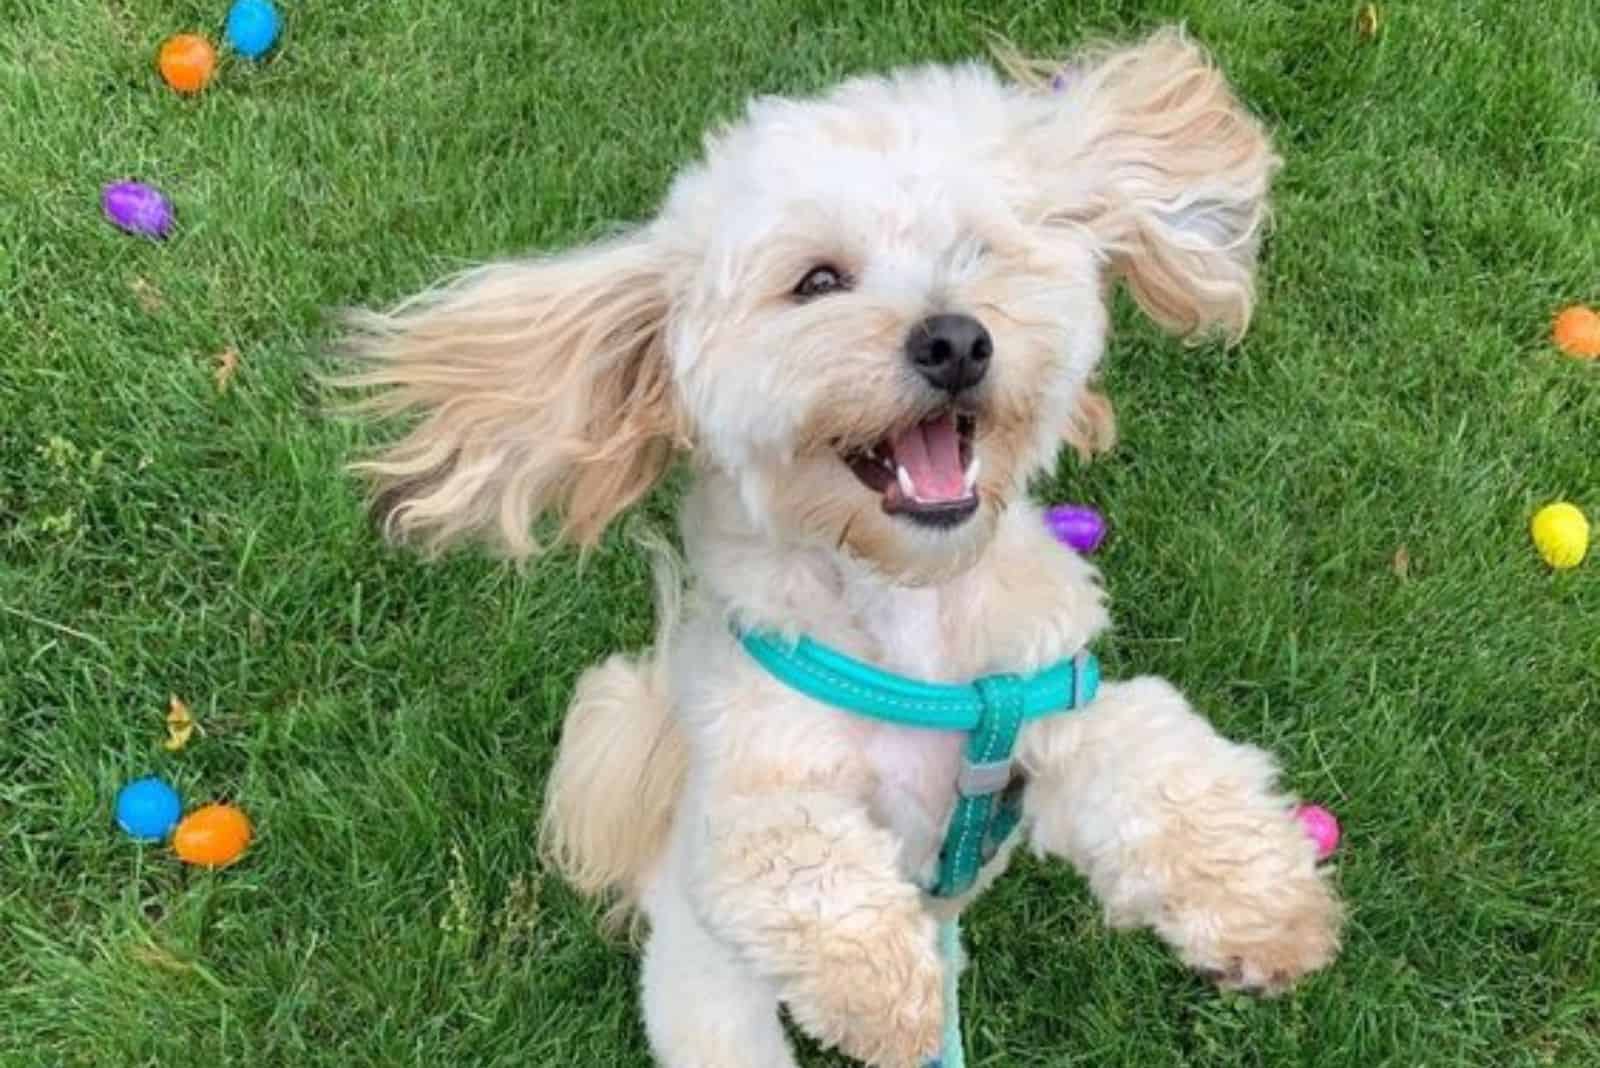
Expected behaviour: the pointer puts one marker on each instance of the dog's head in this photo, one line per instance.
(873, 312)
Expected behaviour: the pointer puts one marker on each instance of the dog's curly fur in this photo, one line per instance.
(774, 845)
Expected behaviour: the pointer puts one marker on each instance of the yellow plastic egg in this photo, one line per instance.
(1561, 534)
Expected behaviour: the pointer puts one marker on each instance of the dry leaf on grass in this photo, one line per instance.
(1401, 564)
(180, 725)
(1367, 22)
(227, 362)
(148, 296)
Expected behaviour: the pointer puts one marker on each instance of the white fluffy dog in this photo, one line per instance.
(866, 319)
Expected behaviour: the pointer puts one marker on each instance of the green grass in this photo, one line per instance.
(387, 723)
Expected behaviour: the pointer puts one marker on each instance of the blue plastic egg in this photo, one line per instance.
(148, 809)
(252, 27)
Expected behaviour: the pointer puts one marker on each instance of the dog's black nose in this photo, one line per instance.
(950, 351)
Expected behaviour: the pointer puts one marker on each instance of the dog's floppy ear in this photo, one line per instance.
(1148, 150)
(541, 385)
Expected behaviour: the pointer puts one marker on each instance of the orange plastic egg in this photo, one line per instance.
(187, 62)
(213, 836)
(1577, 332)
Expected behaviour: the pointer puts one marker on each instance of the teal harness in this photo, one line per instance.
(990, 710)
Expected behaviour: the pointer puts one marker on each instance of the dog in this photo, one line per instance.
(865, 320)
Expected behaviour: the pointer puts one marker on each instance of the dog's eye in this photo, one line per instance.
(820, 281)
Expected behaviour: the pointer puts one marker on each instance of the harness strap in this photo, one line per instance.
(984, 774)
(842, 681)
(991, 710)
(951, 1054)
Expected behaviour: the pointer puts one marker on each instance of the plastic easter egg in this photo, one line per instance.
(252, 27)
(1321, 826)
(1576, 332)
(1561, 534)
(147, 809)
(137, 208)
(187, 62)
(212, 837)
(1076, 525)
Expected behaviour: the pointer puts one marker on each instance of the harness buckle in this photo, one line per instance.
(983, 779)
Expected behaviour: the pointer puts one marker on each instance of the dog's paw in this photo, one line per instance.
(904, 1029)
(881, 1003)
(1263, 941)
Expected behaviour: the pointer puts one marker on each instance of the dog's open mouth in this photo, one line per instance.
(926, 473)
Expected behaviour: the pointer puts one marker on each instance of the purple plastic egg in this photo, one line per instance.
(1077, 526)
(137, 208)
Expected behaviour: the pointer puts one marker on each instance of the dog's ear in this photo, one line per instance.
(542, 386)
(1146, 150)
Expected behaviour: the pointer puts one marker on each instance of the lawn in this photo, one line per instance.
(387, 722)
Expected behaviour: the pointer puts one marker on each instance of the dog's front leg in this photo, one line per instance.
(806, 889)
(1181, 830)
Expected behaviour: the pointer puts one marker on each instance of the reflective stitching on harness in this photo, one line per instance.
(833, 678)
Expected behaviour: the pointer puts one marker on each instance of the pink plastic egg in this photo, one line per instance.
(1321, 826)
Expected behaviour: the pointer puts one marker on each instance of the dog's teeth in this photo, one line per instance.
(907, 487)
(970, 478)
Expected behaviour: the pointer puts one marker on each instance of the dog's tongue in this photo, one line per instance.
(931, 454)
